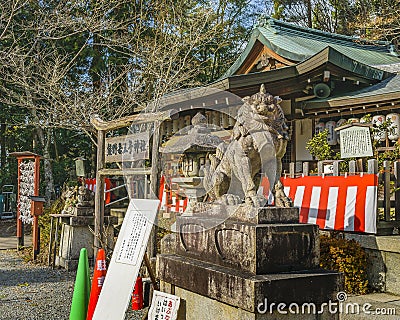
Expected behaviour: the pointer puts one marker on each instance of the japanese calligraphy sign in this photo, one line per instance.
(126, 259)
(127, 148)
(164, 306)
(355, 142)
(133, 237)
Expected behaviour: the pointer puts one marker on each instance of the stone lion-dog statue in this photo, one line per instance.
(256, 148)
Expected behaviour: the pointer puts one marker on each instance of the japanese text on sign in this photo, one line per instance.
(355, 142)
(26, 189)
(127, 148)
(164, 306)
(132, 240)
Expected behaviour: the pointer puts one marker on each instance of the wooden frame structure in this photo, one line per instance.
(21, 156)
(102, 128)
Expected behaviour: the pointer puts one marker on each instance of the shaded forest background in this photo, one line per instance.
(62, 61)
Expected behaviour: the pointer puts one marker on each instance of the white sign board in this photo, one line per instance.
(126, 260)
(164, 306)
(355, 142)
(127, 148)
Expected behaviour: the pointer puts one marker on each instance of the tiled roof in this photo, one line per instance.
(298, 44)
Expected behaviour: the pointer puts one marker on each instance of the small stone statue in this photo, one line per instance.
(85, 197)
(75, 198)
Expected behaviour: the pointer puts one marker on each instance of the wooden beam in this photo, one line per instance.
(139, 118)
(154, 185)
(122, 172)
(99, 194)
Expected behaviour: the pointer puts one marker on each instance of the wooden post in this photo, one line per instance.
(154, 185)
(306, 168)
(35, 227)
(397, 186)
(99, 194)
(352, 167)
(373, 169)
(372, 166)
(50, 241)
(20, 228)
(386, 189)
(336, 168)
(360, 165)
(292, 169)
(320, 166)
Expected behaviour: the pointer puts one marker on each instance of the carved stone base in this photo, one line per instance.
(239, 262)
(198, 307)
(82, 211)
(245, 290)
(256, 248)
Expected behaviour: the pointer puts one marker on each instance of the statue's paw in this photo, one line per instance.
(229, 199)
(255, 201)
(283, 201)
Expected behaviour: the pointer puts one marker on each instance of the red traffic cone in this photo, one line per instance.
(97, 283)
(137, 295)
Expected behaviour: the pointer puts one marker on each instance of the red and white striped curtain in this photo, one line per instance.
(346, 203)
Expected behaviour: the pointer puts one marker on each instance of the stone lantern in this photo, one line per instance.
(194, 148)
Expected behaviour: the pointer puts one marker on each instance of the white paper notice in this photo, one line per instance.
(126, 260)
(164, 306)
(355, 142)
(133, 237)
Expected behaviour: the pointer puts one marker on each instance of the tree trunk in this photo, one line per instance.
(45, 139)
(309, 13)
(3, 148)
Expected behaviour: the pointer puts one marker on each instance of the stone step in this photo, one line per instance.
(245, 290)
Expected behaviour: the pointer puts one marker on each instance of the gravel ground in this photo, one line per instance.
(29, 291)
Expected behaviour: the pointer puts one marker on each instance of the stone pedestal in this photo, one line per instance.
(76, 233)
(235, 265)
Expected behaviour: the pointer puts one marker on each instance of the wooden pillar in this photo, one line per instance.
(306, 168)
(293, 127)
(386, 189)
(352, 167)
(397, 186)
(320, 168)
(372, 165)
(99, 194)
(20, 228)
(336, 168)
(35, 227)
(154, 185)
(292, 169)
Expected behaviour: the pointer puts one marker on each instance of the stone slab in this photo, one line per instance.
(392, 262)
(382, 243)
(266, 215)
(383, 297)
(196, 307)
(82, 211)
(255, 248)
(245, 290)
(247, 213)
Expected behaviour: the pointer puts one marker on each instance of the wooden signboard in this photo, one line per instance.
(164, 306)
(126, 259)
(127, 148)
(355, 142)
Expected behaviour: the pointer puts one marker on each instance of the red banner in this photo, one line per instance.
(337, 203)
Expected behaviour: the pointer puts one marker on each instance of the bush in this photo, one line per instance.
(348, 257)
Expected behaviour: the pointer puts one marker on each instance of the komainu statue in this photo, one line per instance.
(256, 148)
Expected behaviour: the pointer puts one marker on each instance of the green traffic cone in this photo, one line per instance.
(80, 298)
